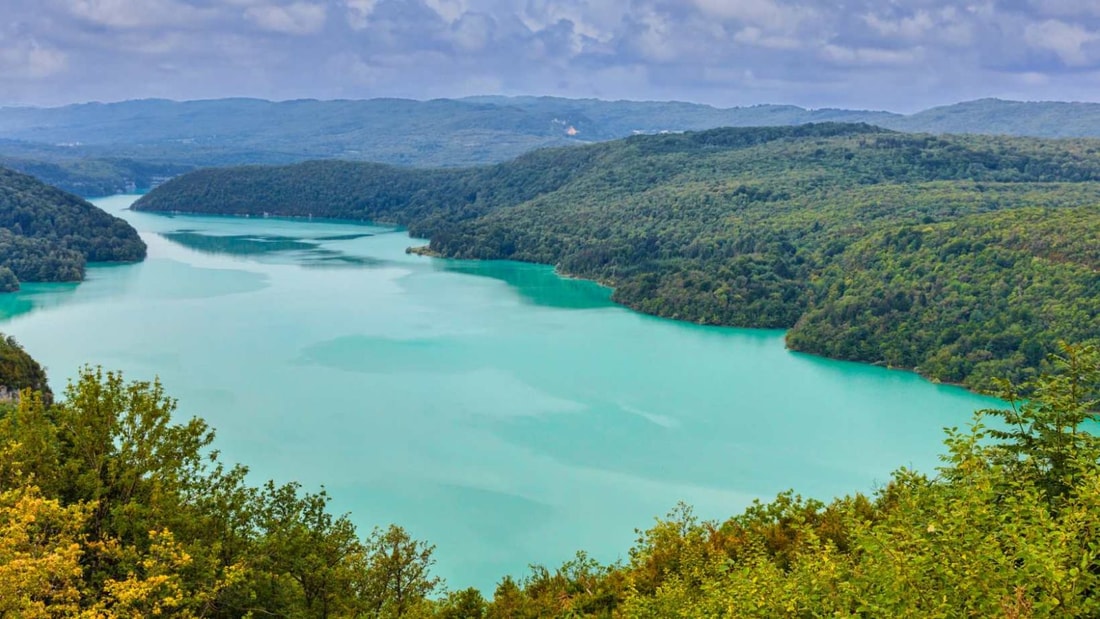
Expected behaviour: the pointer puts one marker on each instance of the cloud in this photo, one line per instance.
(473, 31)
(134, 13)
(359, 12)
(1070, 42)
(449, 10)
(912, 27)
(862, 56)
(298, 18)
(1066, 8)
(751, 35)
(29, 60)
(765, 13)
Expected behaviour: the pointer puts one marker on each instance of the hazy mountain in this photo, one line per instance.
(136, 143)
(1052, 119)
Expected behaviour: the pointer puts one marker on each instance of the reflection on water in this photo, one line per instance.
(35, 297)
(341, 237)
(308, 251)
(239, 245)
(537, 284)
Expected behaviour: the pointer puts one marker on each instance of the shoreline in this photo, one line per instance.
(427, 252)
(321, 220)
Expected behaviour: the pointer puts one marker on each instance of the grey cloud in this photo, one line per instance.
(298, 18)
(473, 31)
(27, 59)
(134, 13)
(1066, 8)
(1074, 45)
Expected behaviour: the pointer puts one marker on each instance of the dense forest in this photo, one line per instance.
(47, 235)
(964, 257)
(110, 507)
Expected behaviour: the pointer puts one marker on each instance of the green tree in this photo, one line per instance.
(464, 604)
(398, 578)
(309, 561)
(1047, 432)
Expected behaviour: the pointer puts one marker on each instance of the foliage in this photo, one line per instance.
(19, 371)
(39, 555)
(48, 235)
(965, 258)
(111, 508)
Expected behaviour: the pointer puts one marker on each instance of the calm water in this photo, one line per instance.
(503, 413)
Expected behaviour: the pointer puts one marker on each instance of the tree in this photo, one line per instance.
(398, 576)
(1046, 418)
(464, 604)
(308, 561)
(40, 552)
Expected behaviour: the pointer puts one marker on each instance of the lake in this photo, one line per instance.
(503, 413)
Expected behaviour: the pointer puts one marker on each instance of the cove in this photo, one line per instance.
(503, 413)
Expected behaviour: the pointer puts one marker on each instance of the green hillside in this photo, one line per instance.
(962, 257)
(47, 235)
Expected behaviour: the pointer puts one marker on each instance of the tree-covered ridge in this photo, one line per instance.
(110, 507)
(775, 227)
(47, 235)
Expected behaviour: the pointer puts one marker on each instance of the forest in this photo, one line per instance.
(48, 235)
(966, 258)
(110, 507)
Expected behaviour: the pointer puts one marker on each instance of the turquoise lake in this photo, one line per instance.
(503, 413)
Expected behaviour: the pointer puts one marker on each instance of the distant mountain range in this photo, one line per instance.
(100, 148)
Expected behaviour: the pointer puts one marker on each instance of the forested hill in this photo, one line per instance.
(966, 258)
(19, 371)
(47, 235)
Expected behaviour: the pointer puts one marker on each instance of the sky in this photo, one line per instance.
(900, 55)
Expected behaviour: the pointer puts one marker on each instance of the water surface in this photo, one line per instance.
(505, 414)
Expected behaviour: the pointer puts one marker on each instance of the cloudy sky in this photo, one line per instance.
(886, 54)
